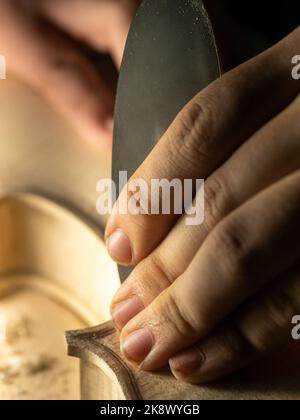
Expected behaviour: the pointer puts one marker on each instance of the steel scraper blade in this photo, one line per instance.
(170, 55)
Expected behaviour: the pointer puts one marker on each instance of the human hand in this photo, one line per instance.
(212, 298)
(43, 40)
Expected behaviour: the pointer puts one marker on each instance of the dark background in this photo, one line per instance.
(245, 28)
(273, 19)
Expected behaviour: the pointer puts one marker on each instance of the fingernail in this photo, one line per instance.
(186, 365)
(138, 345)
(123, 312)
(119, 247)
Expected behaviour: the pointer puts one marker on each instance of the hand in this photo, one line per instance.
(212, 298)
(43, 40)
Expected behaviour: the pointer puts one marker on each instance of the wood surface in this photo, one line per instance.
(54, 267)
(105, 375)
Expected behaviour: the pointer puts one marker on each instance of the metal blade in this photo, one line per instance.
(170, 56)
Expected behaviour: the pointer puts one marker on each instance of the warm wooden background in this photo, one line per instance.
(40, 152)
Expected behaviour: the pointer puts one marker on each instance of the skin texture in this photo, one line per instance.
(211, 299)
(45, 43)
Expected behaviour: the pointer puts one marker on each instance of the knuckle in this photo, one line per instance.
(158, 267)
(178, 317)
(150, 278)
(235, 344)
(193, 139)
(281, 307)
(258, 340)
(232, 249)
(217, 195)
(238, 344)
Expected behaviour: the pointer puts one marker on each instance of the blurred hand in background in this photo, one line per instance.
(45, 43)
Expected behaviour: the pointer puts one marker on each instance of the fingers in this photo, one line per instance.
(269, 155)
(201, 138)
(259, 328)
(271, 152)
(104, 25)
(247, 250)
(53, 65)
